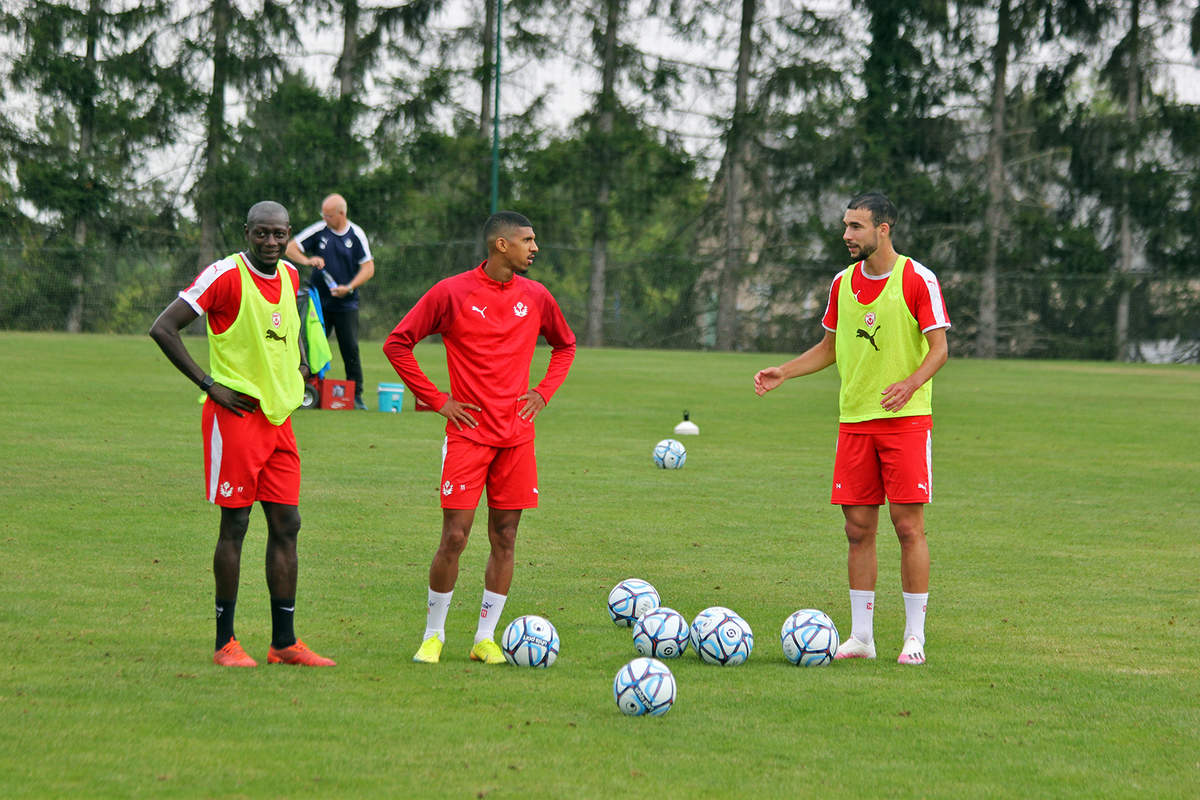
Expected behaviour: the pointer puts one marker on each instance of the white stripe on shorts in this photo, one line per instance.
(214, 461)
(929, 461)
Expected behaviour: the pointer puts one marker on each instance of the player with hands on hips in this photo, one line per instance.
(258, 371)
(489, 319)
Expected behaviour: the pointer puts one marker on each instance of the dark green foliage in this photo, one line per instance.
(106, 99)
(119, 168)
(654, 209)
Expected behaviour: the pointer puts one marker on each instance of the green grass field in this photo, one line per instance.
(1063, 634)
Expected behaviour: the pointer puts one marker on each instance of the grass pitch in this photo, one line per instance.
(1064, 625)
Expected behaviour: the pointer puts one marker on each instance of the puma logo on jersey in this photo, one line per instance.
(870, 337)
(480, 310)
(275, 336)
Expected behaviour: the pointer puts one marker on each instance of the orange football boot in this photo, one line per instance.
(298, 654)
(232, 655)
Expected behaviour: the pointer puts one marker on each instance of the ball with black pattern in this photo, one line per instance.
(661, 633)
(644, 687)
(809, 638)
(530, 641)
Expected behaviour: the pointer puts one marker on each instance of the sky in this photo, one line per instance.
(569, 83)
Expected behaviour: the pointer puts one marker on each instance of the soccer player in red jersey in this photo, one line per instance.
(489, 319)
(885, 327)
(257, 381)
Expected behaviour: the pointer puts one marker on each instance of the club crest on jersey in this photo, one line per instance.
(276, 318)
(347, 243)
(520, 309)
(447, 488)
(869, 319)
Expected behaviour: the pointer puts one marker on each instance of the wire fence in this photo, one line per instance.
(662, 302)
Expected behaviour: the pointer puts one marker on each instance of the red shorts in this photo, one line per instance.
(509, 473)
(247, 458)
(872, 467)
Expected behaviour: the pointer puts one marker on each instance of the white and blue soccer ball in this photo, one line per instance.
(694, 631)
(630, 599)
(724, 639)
(669, 454)
(644, 687)
(530, 641)
(810, 639)
(661, 633)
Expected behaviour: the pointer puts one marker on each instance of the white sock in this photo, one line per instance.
(862, 615)
(435, 618)
(914, 615)
(489, 614)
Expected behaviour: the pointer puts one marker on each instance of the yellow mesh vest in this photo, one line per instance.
(878, 344)
(259, 354)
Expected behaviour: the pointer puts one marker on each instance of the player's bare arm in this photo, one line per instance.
(814, 359)
(896, 396)
(165, 332)
(459, 413)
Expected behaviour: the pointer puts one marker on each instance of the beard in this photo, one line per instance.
(865, 251)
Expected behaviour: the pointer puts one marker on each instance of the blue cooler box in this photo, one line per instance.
(391, 397)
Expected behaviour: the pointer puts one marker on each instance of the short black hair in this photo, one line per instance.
(501, 223)
(882, 210)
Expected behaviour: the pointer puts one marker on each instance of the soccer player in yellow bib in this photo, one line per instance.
(250, 454)
(885, 328)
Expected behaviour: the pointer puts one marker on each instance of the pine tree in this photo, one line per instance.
(99, 71)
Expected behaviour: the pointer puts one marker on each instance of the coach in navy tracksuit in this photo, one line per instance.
(342, 261)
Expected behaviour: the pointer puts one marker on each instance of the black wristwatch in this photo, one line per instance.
(207, 383)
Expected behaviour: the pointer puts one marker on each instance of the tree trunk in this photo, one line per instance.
(207, 207)
(87, 138)
(1125, 234)
(487, 72)
(730, 276)
(488, 69)
(603, 139)
(346, 67)
(995, 218)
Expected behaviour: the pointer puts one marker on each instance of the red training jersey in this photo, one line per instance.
(217, 290)
(489, 330)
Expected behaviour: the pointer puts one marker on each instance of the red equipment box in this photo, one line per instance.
(337, 395)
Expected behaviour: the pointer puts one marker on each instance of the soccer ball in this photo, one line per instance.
(530, 641)
(661, 632)
(810, 638)
(724, 639)
(644, 686)
(669, 454)
(694, 631)
(629, 599)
